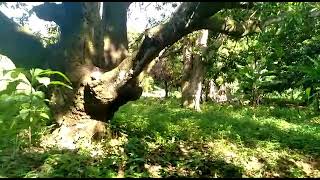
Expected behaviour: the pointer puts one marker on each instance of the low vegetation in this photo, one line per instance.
(157, 138)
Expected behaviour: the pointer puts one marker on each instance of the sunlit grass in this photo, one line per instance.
(158, 138)
(260, 137)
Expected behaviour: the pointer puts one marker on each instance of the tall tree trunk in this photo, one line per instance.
(166, 89)
(193, 73)
(212, 90)
(85, 109)
(77, 116)
(206, 89)
(115, 33)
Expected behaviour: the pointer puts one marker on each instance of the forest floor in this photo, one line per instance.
(158, 138)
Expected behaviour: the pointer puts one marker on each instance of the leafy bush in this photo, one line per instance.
(24, 112)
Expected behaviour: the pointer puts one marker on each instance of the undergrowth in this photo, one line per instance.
(158, 138)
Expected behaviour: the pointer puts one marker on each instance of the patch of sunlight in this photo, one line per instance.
(154, 170)
(236, 115)
(187, 123)
(284, 125)
(159, 139)
(152, 145)
(25, 29)
(174, 128)
(134, 105)
(267, 146)
(115, 142)
(253, 161)
(176, 94)
(315, 120)
(252, 166)
(91, 47)
(176, 110)
(306, 167)
(140, 122)
(106, 41)
(32, 174)
(93, 148)
(223, 148)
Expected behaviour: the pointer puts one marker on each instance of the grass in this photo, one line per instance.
(158, 138)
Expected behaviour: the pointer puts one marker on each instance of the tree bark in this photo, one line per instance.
(115, 33)
(77, 46)
(166, 88)
(193, 73)
(212, 90)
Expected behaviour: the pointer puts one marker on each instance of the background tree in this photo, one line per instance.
(193, 70)
(167, 68)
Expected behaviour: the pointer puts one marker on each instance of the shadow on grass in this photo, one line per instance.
(78, 164)
(173, 162)
(152, 118)
(55, 163)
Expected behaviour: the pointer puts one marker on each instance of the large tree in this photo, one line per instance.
(92, 51)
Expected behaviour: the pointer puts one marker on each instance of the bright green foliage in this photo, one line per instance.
(157, 138)
(24, 114)
(279, 58)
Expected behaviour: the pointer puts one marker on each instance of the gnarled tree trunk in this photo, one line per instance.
(87, 42)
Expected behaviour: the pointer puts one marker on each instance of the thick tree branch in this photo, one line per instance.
(66, 15)
(230, 27)
(186, 19)
(24, 49)
(50, 12)
(169, 52)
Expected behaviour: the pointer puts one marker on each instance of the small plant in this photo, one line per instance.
(25, 109)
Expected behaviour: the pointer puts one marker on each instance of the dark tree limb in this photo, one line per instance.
(24, 49)
(50, 12)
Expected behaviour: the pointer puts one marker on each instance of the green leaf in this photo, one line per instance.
(24, 113)
(39, 94)
(14, 72)
(60, 83)
(36, 72)
(43, 80)
(44, 115)
(13, 123)
(12, 86)
(308, 90)
(50, 72)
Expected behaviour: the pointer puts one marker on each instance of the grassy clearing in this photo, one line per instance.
(157, 138)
